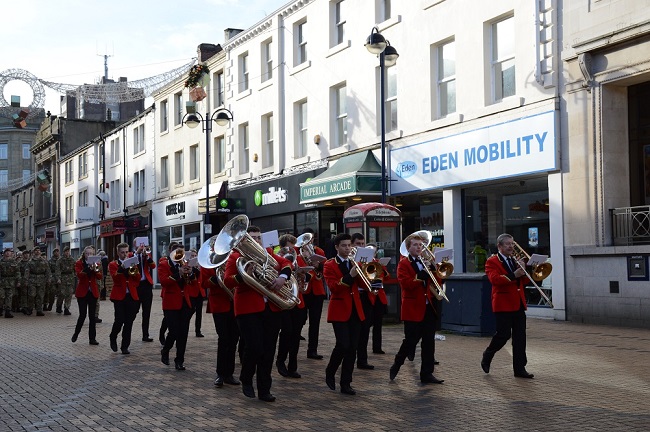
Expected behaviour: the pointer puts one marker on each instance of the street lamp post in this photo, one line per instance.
(378, 45)
(222, 117)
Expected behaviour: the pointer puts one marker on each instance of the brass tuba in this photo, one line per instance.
(443, 270)
(208, 258)
(234, 236)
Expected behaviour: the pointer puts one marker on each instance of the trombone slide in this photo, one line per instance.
(532, 280)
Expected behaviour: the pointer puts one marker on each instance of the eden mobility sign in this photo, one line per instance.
(522, 146)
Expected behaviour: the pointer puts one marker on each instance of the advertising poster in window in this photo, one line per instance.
(533, 236)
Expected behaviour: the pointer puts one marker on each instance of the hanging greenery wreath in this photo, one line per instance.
(196, 73)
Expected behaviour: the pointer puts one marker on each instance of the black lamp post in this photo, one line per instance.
(388, 55)
(222, 117)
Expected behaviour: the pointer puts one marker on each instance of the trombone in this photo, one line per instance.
(444, 270)
(367, 284)
(539, 272)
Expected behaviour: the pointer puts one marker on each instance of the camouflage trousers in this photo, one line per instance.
(66, 289)
(6, 294)
(52, 289)
(36, 292)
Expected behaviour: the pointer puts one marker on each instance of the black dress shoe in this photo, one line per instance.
(125, 351)
(231, 380)
(314, 356)
(179, 366)
(282, 369)
(93, 342)
(98, 320)
(485, 365)
(393, 370)
(430, 379)
(40, 313)
(164, 357)
(267, 397)
(113, 344)
(379, 351)
(59, 310)
(436, 362)
(365, 366)
(67, 312)
(248, 390)
(348, 390)
(199, 334)
(74, 337)
(218, 382)
(524, 374)
(147, 339)
(330, 381)
(302, 337)
(293, 374)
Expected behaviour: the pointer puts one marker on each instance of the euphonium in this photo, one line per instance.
(208, 258)
(362, 273)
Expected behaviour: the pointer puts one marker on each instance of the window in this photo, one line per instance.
(267, 144)
(338, 28)
(27, 176)
(4, 178)
(31, 197)
(178, 167)
(503, 58)
(83, 198)
(391, 99)
(194, 162)
(447, 78)
(383, 10)
(83, 165)
(163, 116)
(23, 228)
(116, 195)
(301, 129)
(243, 72)
(138, 188)
(244, 147)
(219, 154)
(164, 172)
(4, 210)
(300, 32)
(141, 130)
(138, 139)
(31, 227)
(101, 157)
(69, 209)
(178, 108)
(267, 60)
(17, 202)
(24, 199)
(115, 150)
(340, 122)
(220, 89)
(3, 150)
(27, 154)
(68, 172)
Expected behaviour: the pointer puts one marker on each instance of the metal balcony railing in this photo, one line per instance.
(631, 226)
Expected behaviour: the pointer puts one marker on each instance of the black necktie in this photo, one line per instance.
(511, 263)
(347, 264)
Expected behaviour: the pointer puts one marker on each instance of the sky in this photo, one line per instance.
(65, 41)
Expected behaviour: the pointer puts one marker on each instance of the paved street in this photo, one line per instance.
(586, 378)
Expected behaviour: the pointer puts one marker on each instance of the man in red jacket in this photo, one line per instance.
(87, 293)
(508, 279)
(145, 286)
(417, 310)
(124, 297)
(314, 298)
(345, 312)
(259, 322)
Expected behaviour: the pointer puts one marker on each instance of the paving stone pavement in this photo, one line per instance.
(586, 378)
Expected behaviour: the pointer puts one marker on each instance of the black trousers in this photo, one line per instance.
(178, 322)
(414, 332)
(314, 304)
(197, 303)
(289, 344)
(364, 334)
(227, 338)
(145, 293)
(345, 349)
(87, 306)
(510, 324)
(259, 333)
(378, 312)
(125, 313)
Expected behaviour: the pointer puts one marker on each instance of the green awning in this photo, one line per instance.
(355, 174)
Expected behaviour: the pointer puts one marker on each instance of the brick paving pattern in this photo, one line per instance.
(586, 378)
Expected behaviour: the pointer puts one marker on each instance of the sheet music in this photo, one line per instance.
(536, 259)
(193, 262)
(130, 262)
(270, 238)
(315, 258)
(384, 261)
(442, 255)
(141, 241)
(364, 254)
(93, 259)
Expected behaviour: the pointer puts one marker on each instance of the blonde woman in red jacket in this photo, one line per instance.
(87, 294)
(124, 297)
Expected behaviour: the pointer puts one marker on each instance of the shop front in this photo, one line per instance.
(469, 187)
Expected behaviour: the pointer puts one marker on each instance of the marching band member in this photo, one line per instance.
(87, 294)
(292, 319)
(314, 298)
(220, 305)
(378, 309)
(145, 286)
(163, 324)
(417, 311)
(124, 297)
(345, 312)
(174, 277)
(197, 294)
(368, 303)
(508, 280)
(258, 321)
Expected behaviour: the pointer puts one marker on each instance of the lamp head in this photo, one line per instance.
(223, 118)
(390, 55)
(375, 43)
(192, 121)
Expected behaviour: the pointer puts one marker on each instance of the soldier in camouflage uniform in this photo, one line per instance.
(53, 288)
(64, 276)
(10, 273)
(24, 284)
(38, 275)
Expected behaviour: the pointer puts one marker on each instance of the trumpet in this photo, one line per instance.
(361, 271)
(539, 272)
(443, 270)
